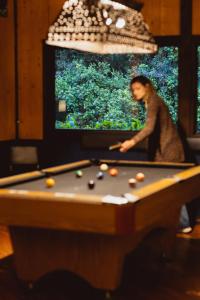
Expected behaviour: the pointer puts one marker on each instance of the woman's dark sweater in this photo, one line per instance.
(164, 142)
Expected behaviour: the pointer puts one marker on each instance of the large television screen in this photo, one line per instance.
(92, 91)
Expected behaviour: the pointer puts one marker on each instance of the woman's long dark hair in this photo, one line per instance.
(144, 81)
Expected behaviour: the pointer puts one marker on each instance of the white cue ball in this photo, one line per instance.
(103, 167)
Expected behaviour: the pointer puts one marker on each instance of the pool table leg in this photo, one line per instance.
(96, 258)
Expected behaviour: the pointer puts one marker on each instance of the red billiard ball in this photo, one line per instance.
(113, 172)
(132, 182)
(140, 177)
(91, 184)
(50, 182)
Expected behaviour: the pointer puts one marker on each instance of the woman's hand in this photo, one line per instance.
(127, 145)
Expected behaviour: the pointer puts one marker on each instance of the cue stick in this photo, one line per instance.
(115, 146)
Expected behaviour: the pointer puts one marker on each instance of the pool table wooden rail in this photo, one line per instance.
(20, 178)
(68, 167)
(88, 213)
(148, 163)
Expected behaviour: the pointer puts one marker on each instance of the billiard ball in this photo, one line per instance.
(103, 167)
(113, 172)
(100, 175)
(132, 182)
(140, 177)
(91, 184)
(79, 173)
(50, 182)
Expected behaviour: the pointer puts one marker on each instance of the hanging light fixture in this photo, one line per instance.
(102, 27)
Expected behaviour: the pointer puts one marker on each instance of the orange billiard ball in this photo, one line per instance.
(113, 172)
(140, 177)
(50, 182)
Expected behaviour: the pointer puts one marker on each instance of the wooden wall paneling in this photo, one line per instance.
(55, 7)
(32, 28)
(163, 16)
(34, 19)
(7, 75)
(196, 17)
(187, 53)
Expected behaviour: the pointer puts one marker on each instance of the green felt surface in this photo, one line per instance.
(68, 182)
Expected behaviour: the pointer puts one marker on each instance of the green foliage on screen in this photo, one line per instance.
(96, 87)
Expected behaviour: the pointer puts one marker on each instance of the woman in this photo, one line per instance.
(164, 141)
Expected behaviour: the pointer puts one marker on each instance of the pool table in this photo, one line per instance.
(90, 231)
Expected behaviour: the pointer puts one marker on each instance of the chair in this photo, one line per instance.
(23, 159)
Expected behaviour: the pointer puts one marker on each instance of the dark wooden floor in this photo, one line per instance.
(144, 278)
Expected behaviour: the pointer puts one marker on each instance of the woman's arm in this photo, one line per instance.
(152, 112)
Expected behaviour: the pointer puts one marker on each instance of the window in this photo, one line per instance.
(92, 91)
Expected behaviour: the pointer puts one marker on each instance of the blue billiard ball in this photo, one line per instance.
(100, 175)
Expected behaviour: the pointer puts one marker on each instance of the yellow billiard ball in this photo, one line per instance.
(50, 182)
